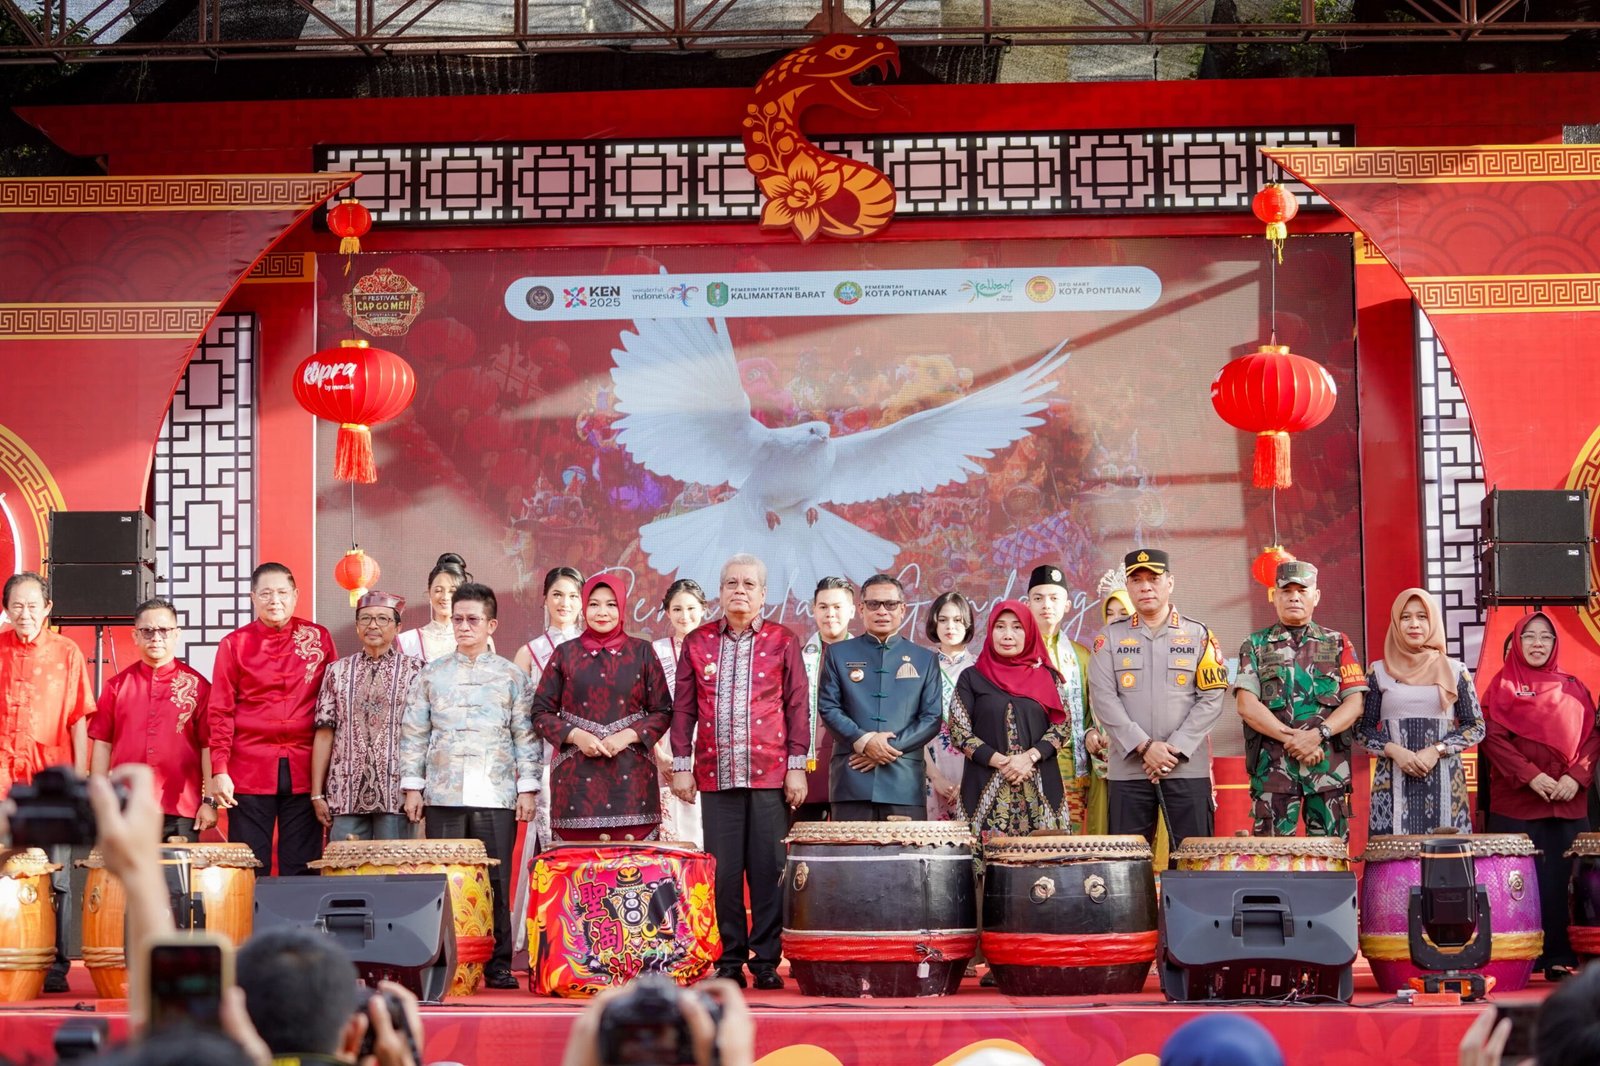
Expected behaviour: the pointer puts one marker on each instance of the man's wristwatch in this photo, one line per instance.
(319, 796)
(1324, 732)
(209, 801)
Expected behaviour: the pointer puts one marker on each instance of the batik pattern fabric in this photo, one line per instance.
(363, 700)
(1411, 716)
(603, 691)
(601, 915)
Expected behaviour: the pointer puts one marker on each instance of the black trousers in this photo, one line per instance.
(857, 811)
(1133, 807)
(299, 833)
(1552, 836)
(496, 827)
(744, 830)
(810, 812)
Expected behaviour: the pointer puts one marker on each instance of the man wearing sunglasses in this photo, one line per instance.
(154, 712)
(880, 696)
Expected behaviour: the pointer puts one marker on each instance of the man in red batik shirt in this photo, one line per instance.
(154, 712)
(741, 728)
(262, 709)
(45, 698)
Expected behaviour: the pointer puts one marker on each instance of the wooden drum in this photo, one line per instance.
(223, 875)
(1503, 863)
(27, 925)
(1246, 854)
(1069, 915)
(1584, 887)
(465, 865)
(879, 908)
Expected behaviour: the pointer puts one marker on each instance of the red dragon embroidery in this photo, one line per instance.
(807, 189)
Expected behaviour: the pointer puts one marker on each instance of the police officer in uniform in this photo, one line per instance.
(1156, 680)
(880, 696)
(1299, 690)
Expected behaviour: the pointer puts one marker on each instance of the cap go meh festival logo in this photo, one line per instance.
(28, 493)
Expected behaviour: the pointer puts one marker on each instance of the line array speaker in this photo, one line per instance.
(102, 537)
(99, 593)
(1536, 516)
(1535, 574)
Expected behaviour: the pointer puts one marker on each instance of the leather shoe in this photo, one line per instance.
(501, 979)
(56, 982)
(731, 973)
(768, 980)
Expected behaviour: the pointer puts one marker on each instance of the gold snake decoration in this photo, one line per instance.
(809, 190)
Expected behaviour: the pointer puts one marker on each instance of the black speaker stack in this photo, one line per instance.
(1536, 548)
(102, 566)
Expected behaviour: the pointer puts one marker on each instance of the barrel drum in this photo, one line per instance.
(879, 909)
(1069, 916)
(1250, 854)
(1584, 888)
(27, 925)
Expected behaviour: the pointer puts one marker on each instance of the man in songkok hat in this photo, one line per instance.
(355, 755)
(1048, 601)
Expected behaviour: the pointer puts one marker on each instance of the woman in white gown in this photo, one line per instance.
(950, 629)
(438, 637)
(685, 607)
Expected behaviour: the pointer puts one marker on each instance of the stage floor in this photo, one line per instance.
(793, 1030)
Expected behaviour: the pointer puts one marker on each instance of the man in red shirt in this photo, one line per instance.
(154, 712)
(46, 698)
(262, 708)
(741, 728)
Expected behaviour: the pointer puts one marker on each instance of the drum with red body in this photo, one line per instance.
(1584, 887)
(1503, 863)
(601, 914)
(1069, 916)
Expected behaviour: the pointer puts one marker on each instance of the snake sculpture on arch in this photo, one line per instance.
(807, 189)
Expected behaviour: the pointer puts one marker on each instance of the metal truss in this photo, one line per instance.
(79, 31)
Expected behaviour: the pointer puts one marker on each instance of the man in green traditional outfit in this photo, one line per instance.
(1048, 600)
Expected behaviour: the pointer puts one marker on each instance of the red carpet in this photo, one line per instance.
(793, 1030)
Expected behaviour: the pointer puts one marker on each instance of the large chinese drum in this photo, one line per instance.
(221, 876)
(1246, 854)
(602, 914)
(1584, 932)
(879, 908)
(1502, 862)
(27, 925)
(465, 865)
(1069, 915)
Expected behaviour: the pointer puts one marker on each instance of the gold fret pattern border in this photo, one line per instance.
(1367, 253)
(1507, 294)
(40, 493)
(277, 268)
(97, 321)
(1488, 164)
(1585, 474)
(187, 192)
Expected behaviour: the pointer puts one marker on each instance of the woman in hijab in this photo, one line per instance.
(1541, 744)
(602, 703)
(1008, 719)
(1421, 714)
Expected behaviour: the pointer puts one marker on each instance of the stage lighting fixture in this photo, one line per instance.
(1449, 921)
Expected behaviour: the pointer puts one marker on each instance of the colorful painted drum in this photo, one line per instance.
(879, 908)
(601, 914)
(27, 925)
(1069, 915)
(1584, 932)
(224, 875)
(465, 865)
(1502, 862)
(1246, 854)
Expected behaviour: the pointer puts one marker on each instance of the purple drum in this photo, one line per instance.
(1504, 865)
(1584, 931)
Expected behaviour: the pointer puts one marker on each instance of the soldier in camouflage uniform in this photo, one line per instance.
(1299, 690)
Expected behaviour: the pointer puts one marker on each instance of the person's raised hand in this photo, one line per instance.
(1484, 1042)
(129, 838)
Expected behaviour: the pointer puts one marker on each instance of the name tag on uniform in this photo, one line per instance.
(857, 671)
(1183, 664)
(906, 669)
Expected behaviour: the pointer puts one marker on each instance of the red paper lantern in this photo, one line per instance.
(1265, 568)
(356, 386)
(357, 573)
(350, 222)
(1272, 393)
(1276, 206)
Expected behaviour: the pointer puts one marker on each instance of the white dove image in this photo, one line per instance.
(687, 416)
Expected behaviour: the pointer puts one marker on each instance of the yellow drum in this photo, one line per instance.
(1255, 854)
(464, 863)
(27, 925)
(222, 875)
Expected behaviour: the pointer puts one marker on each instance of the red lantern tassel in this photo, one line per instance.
(1272, 461)
(353, 461)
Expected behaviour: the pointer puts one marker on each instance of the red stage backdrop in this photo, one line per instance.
(586, 407)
